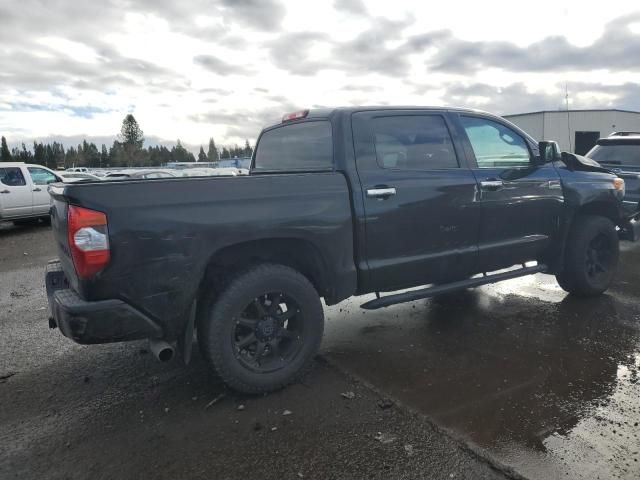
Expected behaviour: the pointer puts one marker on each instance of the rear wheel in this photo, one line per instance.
(263, 330)
(591, 256)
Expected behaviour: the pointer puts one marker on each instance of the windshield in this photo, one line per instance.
(628, 154)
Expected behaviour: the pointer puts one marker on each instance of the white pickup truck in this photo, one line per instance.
(23, 191)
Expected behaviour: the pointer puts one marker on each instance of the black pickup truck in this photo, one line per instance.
(339, 202)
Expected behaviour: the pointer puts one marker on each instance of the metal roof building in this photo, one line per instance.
(576, 130)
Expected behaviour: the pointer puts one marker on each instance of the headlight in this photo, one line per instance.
(618, 184)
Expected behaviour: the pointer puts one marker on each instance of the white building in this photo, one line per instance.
(576, 130)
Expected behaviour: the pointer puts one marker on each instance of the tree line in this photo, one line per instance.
(127, 151)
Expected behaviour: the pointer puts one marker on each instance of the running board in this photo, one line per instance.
(389, 300)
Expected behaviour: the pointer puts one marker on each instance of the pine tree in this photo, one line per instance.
(202, 157)
(131, 140)
(58, 154)
(248, 151)
(181, 154)
(130, 133)
(49, 157)
(23, 155)
(5, 154)
(225, 153)
(39, 152)
(104, 156)
(213, 154)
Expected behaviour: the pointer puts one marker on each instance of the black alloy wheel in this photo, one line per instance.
(269, 333)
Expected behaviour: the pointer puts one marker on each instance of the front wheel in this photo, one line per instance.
(263, 330)
(591, 256)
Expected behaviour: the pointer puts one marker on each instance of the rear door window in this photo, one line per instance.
(300, 146)
(413, 142)
(12, 177)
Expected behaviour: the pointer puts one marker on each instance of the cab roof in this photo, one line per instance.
(326, 112)
(14, 164)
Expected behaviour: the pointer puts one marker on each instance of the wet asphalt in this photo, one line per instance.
(541, 381)
(515, 379)
(113, 412)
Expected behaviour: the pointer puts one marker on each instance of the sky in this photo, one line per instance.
(195, 69)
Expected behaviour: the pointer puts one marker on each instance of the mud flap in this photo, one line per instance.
(185, 342)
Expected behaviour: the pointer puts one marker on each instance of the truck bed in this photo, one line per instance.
(165, 233)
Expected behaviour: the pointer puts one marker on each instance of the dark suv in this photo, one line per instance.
(620, 152)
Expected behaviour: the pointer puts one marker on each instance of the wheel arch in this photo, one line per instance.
(299, 254)
(600, 208)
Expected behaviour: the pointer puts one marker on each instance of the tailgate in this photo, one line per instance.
(59, 207)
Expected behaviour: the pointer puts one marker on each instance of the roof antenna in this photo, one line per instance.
(566, 98)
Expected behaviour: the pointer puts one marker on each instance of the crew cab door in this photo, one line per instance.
(422, 222)
(40, 178)
(521, 200)
(15, 193)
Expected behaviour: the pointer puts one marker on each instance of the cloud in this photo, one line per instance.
(291, 52)
(365, 54)
(226, 68)
(354, 7)
(361, 88)
(261, 14)
(518, 98)
(220, 67)
(85, 111)
(245, 123)
(46, 68)
(618, 48)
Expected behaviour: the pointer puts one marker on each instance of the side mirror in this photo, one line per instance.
(548, 152)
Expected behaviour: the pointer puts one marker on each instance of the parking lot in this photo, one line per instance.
(510, 380)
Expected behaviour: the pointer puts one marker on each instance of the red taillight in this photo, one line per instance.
(88, 240)
(295, 115)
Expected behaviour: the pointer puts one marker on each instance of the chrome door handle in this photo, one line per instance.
(491, 184)
(37, 189)
(380, 192)
(5, 191)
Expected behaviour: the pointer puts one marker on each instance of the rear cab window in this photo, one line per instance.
(623, 154)
(295, 147)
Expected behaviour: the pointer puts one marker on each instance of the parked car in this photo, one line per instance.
(206, 172)
(195, 172)
(138, 174)
(23, 191)
(77, 169)
(620, 152)
(78, 177)
(339, 202)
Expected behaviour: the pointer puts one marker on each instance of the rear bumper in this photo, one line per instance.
(103, 321)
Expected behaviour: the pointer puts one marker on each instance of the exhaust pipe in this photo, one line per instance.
(161, 349)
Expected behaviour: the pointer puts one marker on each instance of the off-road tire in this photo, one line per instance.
(575, 276)
(217, 325)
